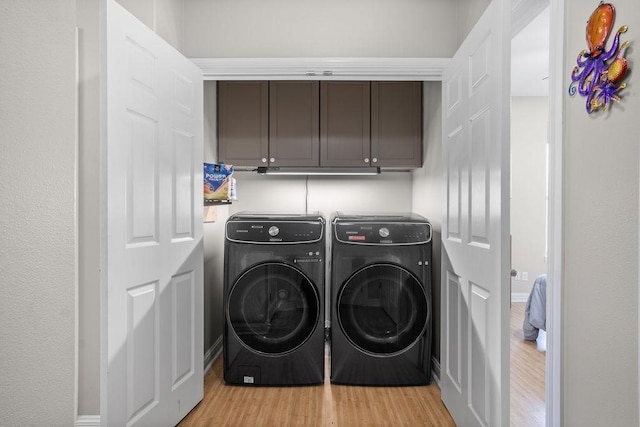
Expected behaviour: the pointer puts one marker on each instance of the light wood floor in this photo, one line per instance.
(527, 375)
(336, 405)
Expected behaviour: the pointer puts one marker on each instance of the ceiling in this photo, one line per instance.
(530, 58)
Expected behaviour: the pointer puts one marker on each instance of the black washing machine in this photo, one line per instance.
(274, 299)
(380, 299)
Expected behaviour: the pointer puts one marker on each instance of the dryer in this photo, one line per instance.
(381, 324)
(274, 280)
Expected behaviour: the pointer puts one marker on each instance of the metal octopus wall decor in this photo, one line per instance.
(600, 72)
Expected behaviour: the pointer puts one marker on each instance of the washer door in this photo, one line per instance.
(273, 308)
(382, 309)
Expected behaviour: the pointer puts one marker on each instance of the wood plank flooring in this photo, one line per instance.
(336, 405)
(527, 375)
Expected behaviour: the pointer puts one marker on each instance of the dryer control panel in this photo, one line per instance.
(274, 232)
(373, 233)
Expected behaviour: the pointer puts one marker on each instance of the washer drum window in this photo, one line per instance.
(273, 308)
(382, 309)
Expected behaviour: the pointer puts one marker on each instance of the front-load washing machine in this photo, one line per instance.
(274, 280)
(380, 299)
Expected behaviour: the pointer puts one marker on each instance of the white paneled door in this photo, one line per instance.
(475, 231)
(152, 299)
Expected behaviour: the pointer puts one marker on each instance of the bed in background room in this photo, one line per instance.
(535, 312)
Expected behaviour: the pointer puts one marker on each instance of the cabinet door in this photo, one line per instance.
(294, 117)
(396, 124)
(243, 133)
(345, 123)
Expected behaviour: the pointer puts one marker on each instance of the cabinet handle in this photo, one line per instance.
(366, 160)
(272, 160)
(264, 160)
(374, 160)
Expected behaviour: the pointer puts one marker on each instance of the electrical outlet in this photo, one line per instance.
(525, 275)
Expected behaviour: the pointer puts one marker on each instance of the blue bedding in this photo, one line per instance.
(535, 312)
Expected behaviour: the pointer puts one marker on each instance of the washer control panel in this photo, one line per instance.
(273, 232)
(383, 233)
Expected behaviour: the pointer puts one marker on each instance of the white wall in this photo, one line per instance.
(388, 192)
(426, 194)
(529, 131)
(328, 28)
(600, 287)
(89, 208)
(37, 213)
(468, 13)
(165, 17)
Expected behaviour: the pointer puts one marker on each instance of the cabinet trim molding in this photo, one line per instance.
(425, 69)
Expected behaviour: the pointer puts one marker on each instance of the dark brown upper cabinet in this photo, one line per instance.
(294, 123)
(243, 122)
(327, 123)
(345, 120)
(396, 124)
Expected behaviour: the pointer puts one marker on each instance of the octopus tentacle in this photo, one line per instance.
(608, 54)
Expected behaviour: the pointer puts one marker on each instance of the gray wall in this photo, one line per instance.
(529, 130)
(213, 237)
(467, 14)
(37, 214)
(165, 17)
(426, 194)
(88, 21)
(600, 287)
(329, 28)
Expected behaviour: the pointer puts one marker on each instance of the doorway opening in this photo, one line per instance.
(529, 219)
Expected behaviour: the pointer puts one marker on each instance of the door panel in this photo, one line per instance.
(345, 118)
(142, 385)
(152, 343)
(396, 124)
(294, 123)
(243, 122)
(475, 262)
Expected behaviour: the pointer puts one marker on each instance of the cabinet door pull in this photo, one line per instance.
(374, 160)
(366, 160)
(264, 160)
(272, 160)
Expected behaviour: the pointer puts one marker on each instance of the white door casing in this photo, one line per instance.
(152, 299)
(475, 228)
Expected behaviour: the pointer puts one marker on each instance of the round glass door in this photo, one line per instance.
(382, 309)
(273, 308)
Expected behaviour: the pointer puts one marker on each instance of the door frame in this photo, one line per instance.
(555, 267)
(431, 69)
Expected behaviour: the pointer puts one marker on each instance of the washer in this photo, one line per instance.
(380, 299)
(274, 299)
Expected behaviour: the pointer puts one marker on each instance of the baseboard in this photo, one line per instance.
(519, 297)
(212, 354)
(88, 421)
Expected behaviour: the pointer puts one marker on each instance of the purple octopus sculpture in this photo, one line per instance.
(600, 72)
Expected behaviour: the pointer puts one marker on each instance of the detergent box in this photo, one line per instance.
(218, 181)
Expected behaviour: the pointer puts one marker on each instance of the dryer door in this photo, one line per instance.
(273, 308)
(383, 309)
